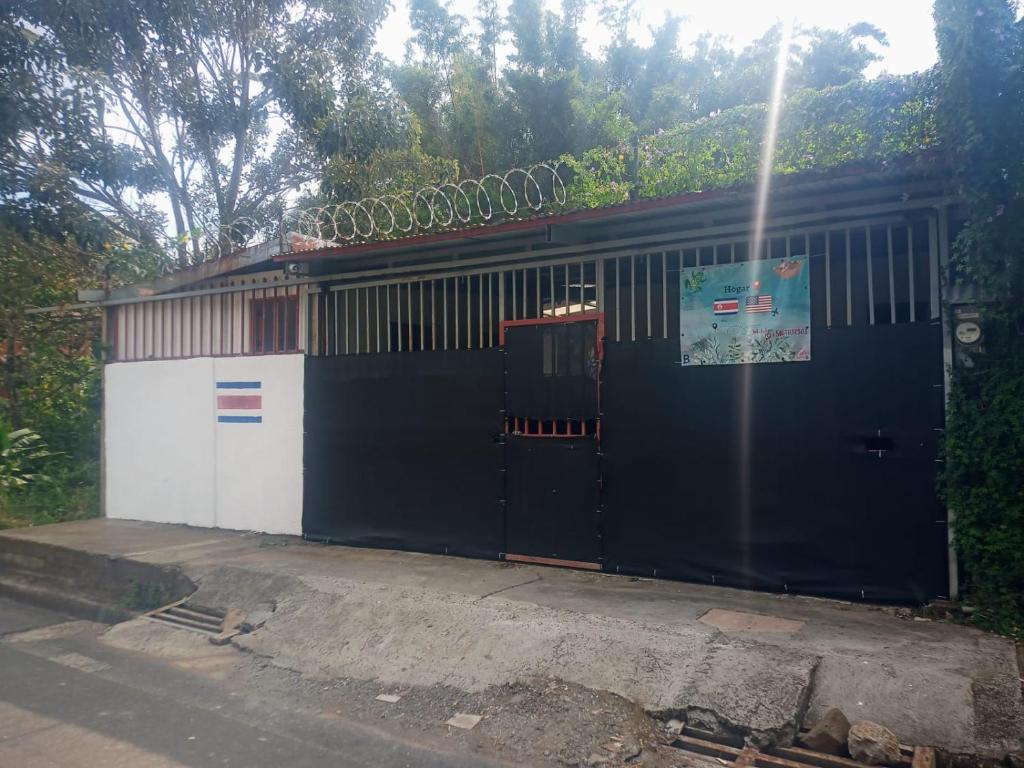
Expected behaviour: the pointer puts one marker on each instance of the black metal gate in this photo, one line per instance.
(552, 439)
(815, 477)
(404, 451)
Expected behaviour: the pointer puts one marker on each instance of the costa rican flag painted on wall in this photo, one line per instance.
(239, 402)
(726, 306)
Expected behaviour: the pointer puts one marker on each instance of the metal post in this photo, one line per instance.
(871, 275)
(664, 294)
(647, 258)
(632, 296)
(947, 368)
(618, 293)
(849, 283)
(910, 269)
(469, 310)
(554, 299)
(356, 292)
(892, 277)
(568, 300)
(828, 279)
(933, 269)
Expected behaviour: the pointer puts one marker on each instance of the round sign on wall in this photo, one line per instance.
(968, 332)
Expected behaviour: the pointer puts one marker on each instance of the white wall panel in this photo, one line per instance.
(174, 456)
(159, 441)
(259, 465)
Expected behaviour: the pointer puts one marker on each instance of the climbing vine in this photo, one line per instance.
(868, 122)
(980, 112)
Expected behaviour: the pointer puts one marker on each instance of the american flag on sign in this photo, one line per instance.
(761, 303)
(239, 402)
(726, 306)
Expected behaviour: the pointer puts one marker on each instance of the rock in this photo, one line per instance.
(674, 727)
(648, 757)
(630, 750)
(873, 744)
(596, 759)
(829, 734)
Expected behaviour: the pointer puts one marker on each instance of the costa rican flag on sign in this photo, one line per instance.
(762, 303)
(239, 402)
(726, 306)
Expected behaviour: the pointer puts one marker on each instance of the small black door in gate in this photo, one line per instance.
(552, 484)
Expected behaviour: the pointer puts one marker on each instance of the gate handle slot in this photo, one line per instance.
(878, 444)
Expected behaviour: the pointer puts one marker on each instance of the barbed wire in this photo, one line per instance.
(514, 193)
(517, 192)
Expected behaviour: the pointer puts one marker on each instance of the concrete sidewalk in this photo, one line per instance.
(741, 660)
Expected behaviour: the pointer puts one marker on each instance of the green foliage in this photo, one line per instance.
(21, 453)
(868, 122)
(49, 376)
(598, 178)
(981, 123)
(984, 478)
(70, 493)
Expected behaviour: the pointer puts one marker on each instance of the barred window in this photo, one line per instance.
(275, 324)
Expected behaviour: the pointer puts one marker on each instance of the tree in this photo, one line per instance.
(180, 98)
(53, 177)
(834, 58)
(492, 34)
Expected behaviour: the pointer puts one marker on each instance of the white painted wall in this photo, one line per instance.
(259, 466)
(169, 460)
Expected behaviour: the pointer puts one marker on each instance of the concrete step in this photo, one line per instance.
(88, 585)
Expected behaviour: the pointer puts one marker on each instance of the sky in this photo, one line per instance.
(908, 24)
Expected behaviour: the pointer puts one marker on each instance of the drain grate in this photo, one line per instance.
(185, 616)
(733, 752)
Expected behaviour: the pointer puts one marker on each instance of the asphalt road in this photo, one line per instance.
(66, 701)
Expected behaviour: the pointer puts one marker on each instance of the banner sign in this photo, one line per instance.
(748, 312)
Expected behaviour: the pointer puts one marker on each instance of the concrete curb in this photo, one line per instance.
(86, 585)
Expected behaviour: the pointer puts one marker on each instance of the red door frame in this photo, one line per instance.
(582, 317)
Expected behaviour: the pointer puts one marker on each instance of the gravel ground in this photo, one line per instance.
(535, 721)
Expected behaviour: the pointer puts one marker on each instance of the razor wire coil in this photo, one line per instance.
(517, 192)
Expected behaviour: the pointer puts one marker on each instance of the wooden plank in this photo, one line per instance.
(924, 757)
(195, 615)
(746, 758)
(711, 745)
(705, 747)
(820, 759)
(163, 608)
(713, 749)
(553, 561)
(169, 618)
